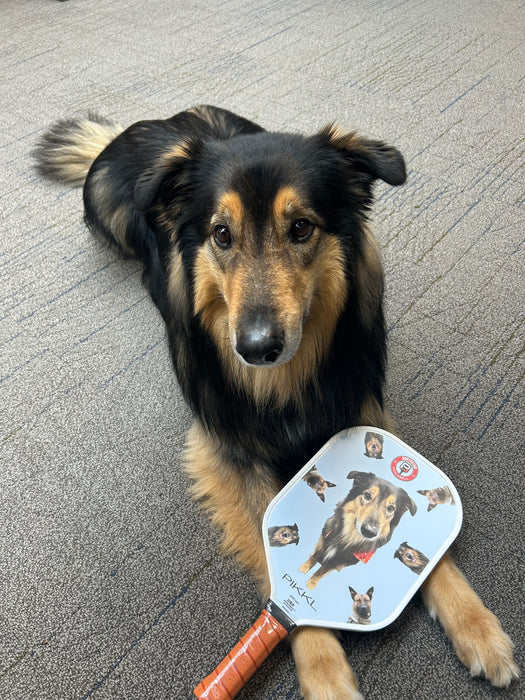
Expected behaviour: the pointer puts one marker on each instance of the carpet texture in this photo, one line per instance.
(111, 585)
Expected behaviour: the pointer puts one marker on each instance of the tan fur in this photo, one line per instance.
(288, 206)
(372, 414)
(181, 150)
(322, 666)
(284, 382)
(114, 219)
(118, 225)
(236, 502)
(342, 138)
(71, 162)
(177, 295)
(235, 499)
(359, 509)
(476, 633)
(369, 276)
(230, 211)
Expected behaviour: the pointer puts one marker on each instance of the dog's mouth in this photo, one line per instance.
(363, 613)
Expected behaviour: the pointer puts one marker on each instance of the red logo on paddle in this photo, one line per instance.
(404, 468)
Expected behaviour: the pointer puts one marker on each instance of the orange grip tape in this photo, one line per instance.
(243, 660)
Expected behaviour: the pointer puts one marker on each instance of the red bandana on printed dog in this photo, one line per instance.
(364, 556)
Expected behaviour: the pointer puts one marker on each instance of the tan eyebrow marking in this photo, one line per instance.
(230, 205)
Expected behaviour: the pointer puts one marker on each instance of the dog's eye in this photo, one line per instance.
(367, 496)
(301, 230)
(390, 509)
(222, 236)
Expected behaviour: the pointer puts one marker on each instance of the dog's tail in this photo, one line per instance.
(67, 150)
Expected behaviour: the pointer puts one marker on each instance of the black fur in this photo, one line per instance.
(168, 202)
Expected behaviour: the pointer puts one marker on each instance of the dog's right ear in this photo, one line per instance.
(352, 592)
(167, 176)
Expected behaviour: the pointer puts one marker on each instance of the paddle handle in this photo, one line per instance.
(243, 660)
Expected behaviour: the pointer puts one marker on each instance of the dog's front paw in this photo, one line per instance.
(322, 667)
(485, 649)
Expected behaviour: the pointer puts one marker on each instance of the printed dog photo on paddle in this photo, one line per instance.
(374, 445)
(283, 535)
(413, 558)
(362, 522)
(437, 496)
(316, 482)
(362, 610)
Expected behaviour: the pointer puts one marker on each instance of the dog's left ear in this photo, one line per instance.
(357, 475)
(167, 176)
(370, 592)
(372, 159)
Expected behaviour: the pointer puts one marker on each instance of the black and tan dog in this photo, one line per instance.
(257, 251)
(318, 483)
(374, 445)
(438, 496)
(362, 609)
(413, 558)
(283, 535)
(362, 522)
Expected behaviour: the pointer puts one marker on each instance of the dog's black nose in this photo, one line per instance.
(369, 531)
(259, 342)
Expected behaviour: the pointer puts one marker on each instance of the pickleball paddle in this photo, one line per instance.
(348, 542)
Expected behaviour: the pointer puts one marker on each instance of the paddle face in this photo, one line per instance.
(355, 533)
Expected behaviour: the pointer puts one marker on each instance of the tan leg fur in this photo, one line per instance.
(476, 633)
(236, 503)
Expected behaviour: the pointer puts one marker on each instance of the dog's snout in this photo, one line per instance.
(259, 340)
(369, 530)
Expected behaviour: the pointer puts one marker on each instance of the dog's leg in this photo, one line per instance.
(308, 564)
(236, 502)
(476, 633)
(322, 667)
(314, 580)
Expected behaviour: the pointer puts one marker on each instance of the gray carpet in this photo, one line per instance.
(110, 581)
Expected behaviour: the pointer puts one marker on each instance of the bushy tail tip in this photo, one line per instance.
(67, 150)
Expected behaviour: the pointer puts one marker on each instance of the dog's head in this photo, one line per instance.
(413, 558)
(283, 535)
(405, 553)
(376, 506)
(362, 602)
(374, 445)
(436, 496)
(316, 482)
(271, 227)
